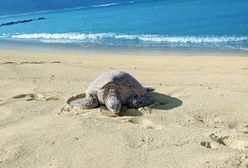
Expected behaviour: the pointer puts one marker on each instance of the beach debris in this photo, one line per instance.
(206, 144)
(218, 139)
(113, 89)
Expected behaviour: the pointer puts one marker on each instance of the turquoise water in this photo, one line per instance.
(163, 24)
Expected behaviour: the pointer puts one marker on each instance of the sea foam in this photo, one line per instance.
(144, 38)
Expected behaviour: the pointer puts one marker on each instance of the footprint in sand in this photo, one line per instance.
(218, 139)
(245, 132)
(28, 97)
(35, 97)
(233, 141)
(40, 62)
(237, 142)
(12, 63)
(215, 142)
(2, 102)
(34, 62)
(145, 123)
(130, 112)
(52, 99)
(68, 110)
(55, 62)
(206, 144)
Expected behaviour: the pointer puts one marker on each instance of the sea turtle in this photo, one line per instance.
(114, 89)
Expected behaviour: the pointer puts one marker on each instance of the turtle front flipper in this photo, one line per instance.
(87, 102)
(139, 101)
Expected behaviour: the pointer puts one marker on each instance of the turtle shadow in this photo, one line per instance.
(163, 101)
(160, 101)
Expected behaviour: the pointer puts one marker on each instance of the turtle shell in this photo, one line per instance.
(122, 82)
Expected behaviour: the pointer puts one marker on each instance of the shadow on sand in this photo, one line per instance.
(160, 101)
(164, 102)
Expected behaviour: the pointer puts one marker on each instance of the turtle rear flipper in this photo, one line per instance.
(88, 102)
(80, 96)
(139, 101)
(149, 89)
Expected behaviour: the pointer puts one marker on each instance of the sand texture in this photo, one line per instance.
(199, 118)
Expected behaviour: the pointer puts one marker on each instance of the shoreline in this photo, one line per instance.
(142, 51)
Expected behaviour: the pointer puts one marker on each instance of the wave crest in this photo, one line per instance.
(152, 38)
(137, 40)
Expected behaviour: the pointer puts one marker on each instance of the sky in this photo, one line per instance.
(21, 6)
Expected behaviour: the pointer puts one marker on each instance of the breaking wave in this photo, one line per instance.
(113, 39)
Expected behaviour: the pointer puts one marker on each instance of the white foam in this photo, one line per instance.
(144, 38)
(63, 36)
(105, 5)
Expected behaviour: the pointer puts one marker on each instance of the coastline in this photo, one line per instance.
(200, 115)
(121, 50)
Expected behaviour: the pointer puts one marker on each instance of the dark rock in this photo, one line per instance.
(21, 21)
(41, 18)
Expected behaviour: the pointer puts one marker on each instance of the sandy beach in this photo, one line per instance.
(199, 118)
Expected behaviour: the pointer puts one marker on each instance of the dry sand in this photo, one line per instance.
(199, 119)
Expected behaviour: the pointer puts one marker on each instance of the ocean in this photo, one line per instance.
(159, 24)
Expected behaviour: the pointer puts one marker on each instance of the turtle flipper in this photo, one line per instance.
(139, 101)
(88, 102)
(149, 89)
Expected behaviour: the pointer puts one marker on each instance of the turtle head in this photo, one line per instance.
(112, 102)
